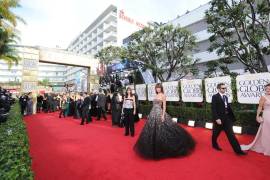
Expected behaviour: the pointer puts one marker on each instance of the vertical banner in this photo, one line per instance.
(211, 87)
(141, 91)
(151, 92)
(191, 90)
(250, 87)
(30, 60)
(29, 75)
(171, 90)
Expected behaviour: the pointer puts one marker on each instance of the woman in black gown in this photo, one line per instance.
(161, 137)
(116, 108)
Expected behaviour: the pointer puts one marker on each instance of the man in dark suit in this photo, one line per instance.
(23, 103)
(223, 118)
(101, 104)
(85, 107)
(50, 102)
(94, 103)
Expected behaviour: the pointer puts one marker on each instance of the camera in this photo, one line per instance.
(6, 101)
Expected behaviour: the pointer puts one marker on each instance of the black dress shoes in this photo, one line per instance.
(241, 153)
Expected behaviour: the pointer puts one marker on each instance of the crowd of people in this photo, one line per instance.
(123, 107)
(160, 136)
(6, 101)
(26, 104)
(116, 81)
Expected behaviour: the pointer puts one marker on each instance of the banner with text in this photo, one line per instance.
(141, 91)
(250, 87)
(211, 87)
(171, 90)
(191, 90)
(151, 92)
(30, 62)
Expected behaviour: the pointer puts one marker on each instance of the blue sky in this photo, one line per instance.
(54, 23)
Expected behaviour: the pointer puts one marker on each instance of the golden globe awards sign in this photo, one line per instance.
(211, 87)
(171, 90)
(141, 91)
(250, 87)
(151, 92)
(191, 90)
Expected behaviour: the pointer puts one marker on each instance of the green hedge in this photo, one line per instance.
(15, 162)
(201, 113)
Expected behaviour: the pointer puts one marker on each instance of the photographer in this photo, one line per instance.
(5, 101)
(23, 103)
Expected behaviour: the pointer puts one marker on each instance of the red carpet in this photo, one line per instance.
(62, 149)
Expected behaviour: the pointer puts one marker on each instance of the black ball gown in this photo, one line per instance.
(162, 139)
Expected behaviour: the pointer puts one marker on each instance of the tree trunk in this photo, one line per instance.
(155, 76)
(251, 70)
(261, 59)
(169, 75)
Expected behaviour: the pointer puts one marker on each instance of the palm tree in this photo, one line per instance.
(7, 51)
(8, 37)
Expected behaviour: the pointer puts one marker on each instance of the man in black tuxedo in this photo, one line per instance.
(23, 103)
(223, 118)
(101, 103)
(85, 107)
(94, 104)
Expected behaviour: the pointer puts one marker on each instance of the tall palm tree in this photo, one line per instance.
(8, 52)
(8, 36)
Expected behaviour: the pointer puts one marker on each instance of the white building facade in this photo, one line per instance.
(56, 74)
(51, 66)
(195, 22)
(109, 29)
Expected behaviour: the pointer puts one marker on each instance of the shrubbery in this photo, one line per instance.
(15, 162)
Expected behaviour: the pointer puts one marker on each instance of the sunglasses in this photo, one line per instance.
(223, 88)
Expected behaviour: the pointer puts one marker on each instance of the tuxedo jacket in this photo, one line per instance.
(101, 101)
(219, 111)
(86, 102)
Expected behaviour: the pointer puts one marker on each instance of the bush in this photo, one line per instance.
(15, 162)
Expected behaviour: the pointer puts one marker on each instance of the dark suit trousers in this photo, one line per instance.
(85, 115)
(129, 121)
(22, 109)
(227, 127)
(62, 112)
(101, 111)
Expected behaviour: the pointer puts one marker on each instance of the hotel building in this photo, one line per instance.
(109, 28)
(195, 22)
